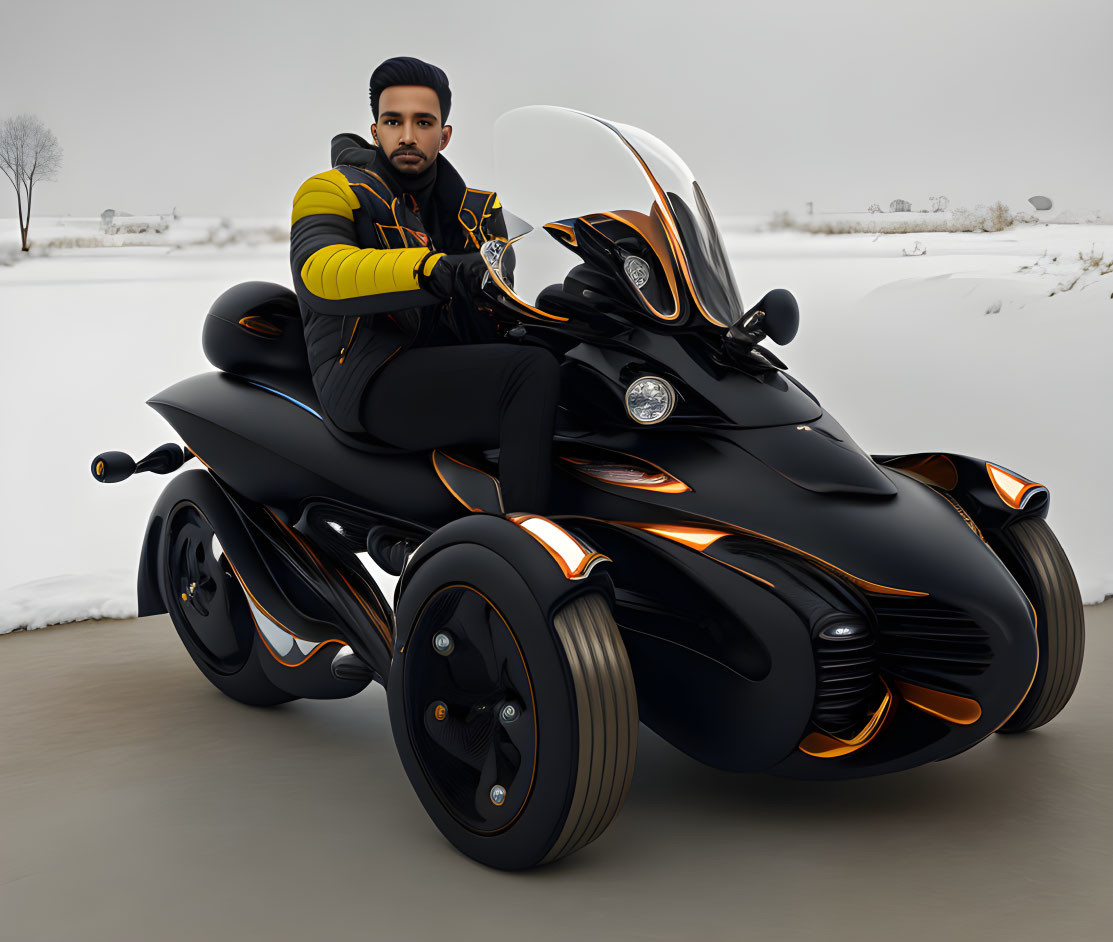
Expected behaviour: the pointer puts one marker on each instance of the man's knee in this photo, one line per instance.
(540, 365)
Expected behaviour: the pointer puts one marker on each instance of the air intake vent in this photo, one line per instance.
(846, 676)
(921, 642)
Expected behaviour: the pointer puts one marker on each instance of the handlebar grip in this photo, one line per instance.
(111, 467)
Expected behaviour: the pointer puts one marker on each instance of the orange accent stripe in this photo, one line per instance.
(371, 189)
(823, 746)
(464, 464)
(639, 460)
(433, 455)
(697, 538)
(259, 631)
(1013, 502)
(673, 486)
(948, 706)
(260, 325)
(861, 583)
(348, 345)
(629, 218)
(382, 628)
(509, 291)
(585, 562)
(563, 229)
(670, 230)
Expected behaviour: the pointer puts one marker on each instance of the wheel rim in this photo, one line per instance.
(470, 709)
(205, 593)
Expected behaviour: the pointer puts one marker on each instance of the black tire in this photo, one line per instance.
(567, 758)
(1039, 565)
(213, 620)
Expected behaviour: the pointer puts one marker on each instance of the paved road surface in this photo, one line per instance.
(137, 803)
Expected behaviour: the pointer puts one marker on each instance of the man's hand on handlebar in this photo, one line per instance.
(454, 273)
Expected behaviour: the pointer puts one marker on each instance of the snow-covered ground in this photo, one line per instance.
(914, 342)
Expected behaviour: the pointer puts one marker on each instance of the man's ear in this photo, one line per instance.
(446, 136)
(375, 133)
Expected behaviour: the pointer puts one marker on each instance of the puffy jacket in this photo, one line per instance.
(356, 249)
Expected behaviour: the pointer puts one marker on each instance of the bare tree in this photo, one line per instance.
(29, 153)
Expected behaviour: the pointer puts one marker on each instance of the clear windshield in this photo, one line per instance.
(556, 165)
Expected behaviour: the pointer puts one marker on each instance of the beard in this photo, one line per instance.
(405, 167)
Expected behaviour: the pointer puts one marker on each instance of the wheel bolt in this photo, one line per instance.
(443, 643)
(509, 713)
(498, 795)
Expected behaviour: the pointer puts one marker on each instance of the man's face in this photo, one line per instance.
(409, 128)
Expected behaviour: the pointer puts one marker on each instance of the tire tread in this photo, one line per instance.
(608, 720)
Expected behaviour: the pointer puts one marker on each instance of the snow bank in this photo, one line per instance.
(52, 233)
(955, 349)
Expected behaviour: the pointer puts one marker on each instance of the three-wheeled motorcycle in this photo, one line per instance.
(725, 564)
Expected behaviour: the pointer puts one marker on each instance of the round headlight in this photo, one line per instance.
(650, 399)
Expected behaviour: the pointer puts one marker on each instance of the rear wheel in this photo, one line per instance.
(519, 735)
(1039, 565)
(209, 609)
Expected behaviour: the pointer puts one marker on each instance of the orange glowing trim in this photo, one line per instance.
(1011, 489)
(567, 232)
(861, 583)
(627, 218)
(625, 476)
(823, 746)
(498, 489)
(199, 458)
(961, 711)
(507, 290)
(697, 538)
(260, 325)
(573, 558)
(259, 631)
(670, 230)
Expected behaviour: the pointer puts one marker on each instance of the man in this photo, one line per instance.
(384, 254)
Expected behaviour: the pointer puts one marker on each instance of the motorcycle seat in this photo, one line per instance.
(253, 331)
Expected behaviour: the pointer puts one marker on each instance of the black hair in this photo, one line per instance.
(406, 70)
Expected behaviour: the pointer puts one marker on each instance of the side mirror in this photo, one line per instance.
(776, 316)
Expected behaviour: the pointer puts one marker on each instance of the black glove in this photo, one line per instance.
(452, 274)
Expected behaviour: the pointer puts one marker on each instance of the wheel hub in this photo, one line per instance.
(471, 711)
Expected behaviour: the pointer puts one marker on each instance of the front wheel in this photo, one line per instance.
(518, 734)
(1038, 563)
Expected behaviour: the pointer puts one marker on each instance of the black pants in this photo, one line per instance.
(479, 394)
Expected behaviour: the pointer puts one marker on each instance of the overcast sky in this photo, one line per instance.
(223, 108)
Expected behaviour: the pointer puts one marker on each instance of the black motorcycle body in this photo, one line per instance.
(787, 602)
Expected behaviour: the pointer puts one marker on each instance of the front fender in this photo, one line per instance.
(533, 548)
(991, 495)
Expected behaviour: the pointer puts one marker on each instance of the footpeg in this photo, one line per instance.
(347, 665)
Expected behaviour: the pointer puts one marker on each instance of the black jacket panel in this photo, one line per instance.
(350, 337)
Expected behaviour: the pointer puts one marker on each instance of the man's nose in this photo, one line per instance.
(409, 132)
